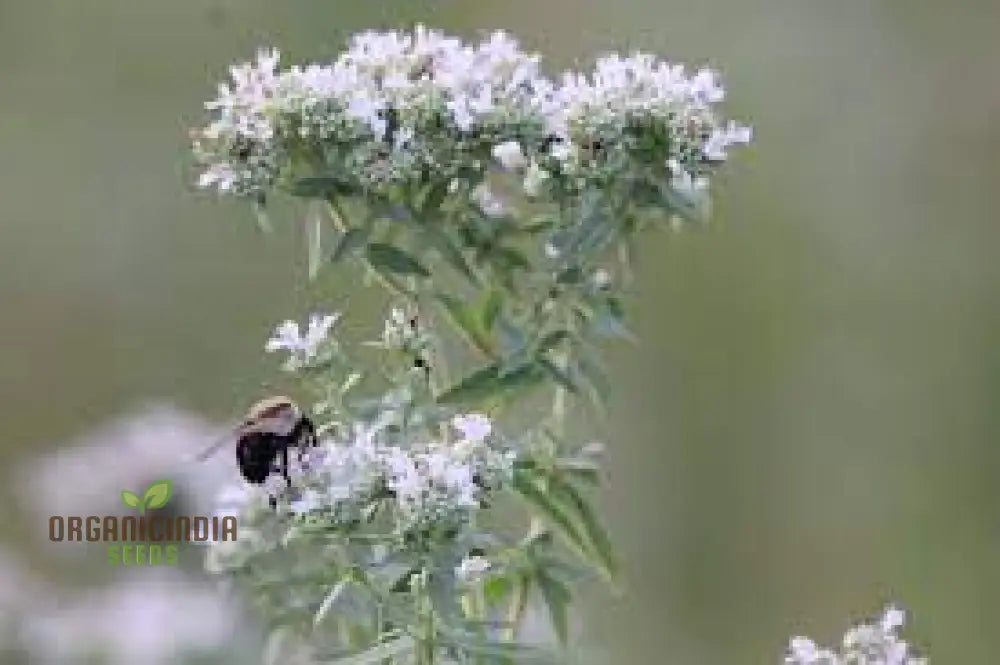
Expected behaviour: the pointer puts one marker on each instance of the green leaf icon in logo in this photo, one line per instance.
(130, 499)
(156, 496)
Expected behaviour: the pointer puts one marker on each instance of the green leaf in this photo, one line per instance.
(395, 260)
(559, 375)
(376, 654)
(440, 241)
(555, 513)
(130, 499)
(557, 598)
(490, 309)
(600, 542)
(684, 206)
(158, 494)
(580, 469)
(609, 321)
(596, 378)
(552, 340)
(522, 593)
(539, 225)
(349, 242)
(508, 653)
(464, 318)
(487, 384)
(496, 588)
(432, 196)
(509, 258)
(320, 187)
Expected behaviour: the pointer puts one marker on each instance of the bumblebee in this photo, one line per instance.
(263, 438)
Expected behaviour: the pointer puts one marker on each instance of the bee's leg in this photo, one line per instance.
(284, 467)
(307, 438)
(309, 431)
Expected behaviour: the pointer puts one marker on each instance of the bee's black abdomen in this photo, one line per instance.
(255, 456)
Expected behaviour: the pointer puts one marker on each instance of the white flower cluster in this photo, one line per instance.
(430, 489)
(301, 347)
(875, 643)
(398, 108)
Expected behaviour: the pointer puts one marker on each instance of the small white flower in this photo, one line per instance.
(473, 426)
(601, 278)
(871, 643)
(562, 150)
(287, 336)
(893, 619)
(534, 178)
(510, 155)
(551, 251)
(472, 569)
(802, 650)
(488, 201)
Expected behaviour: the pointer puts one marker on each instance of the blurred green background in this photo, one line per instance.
(808, 428)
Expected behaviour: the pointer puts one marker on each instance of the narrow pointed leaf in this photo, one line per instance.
(466, 322)
(595, 377)
(319, 187)
(556, 515)
(395, 260)
(490, 310)
(377, 654)
(597, 538)
(487, 384)
(557, 598)
(559, 375)
(349, 242)
(440, 241)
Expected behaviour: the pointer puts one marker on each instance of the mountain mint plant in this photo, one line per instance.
(499, 209)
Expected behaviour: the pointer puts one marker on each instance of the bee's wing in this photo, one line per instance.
(226, 438)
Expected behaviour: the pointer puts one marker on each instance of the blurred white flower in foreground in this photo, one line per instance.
(152, 616)
(872, 643)
(86, 475)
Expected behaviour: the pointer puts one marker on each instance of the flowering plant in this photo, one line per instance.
(499, 208)
(869, 643)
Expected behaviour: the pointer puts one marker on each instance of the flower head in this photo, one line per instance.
(472, 569)
(871, 643)
(474, 427)
(301, 347)
(510, 155)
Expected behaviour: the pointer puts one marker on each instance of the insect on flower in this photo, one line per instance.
(270, 427)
